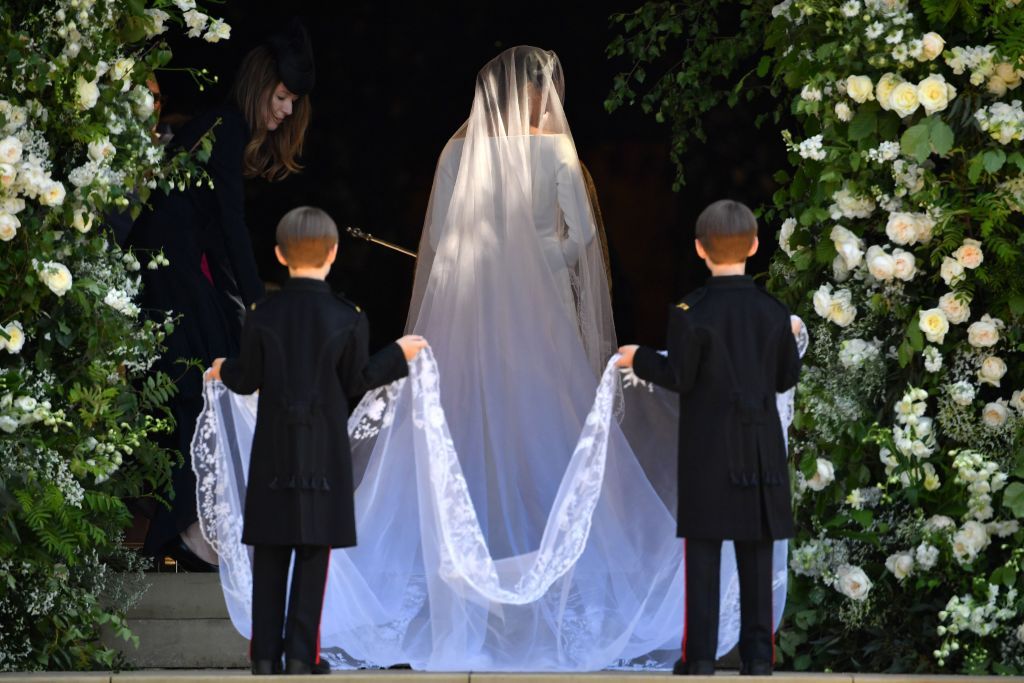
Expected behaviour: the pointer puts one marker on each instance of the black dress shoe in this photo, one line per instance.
(321, 667)
(266, 667)
(186, 559)
(700, 667)
(297, 667)
(756, 668)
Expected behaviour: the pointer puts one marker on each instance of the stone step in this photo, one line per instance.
(181, 596)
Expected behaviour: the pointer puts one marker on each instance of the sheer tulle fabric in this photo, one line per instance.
(506, 514)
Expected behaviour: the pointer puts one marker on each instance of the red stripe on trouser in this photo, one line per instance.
(771, 627)
(686, 597)
(320, 619)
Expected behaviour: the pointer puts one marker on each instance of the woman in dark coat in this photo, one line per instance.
(212, 277)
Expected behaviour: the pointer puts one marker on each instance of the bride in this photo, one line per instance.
(504, 520)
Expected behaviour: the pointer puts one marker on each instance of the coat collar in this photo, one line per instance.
(731, 281)
(306, 284)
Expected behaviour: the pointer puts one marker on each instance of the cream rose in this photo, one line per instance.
(970, 540)
(934, 323)
(841, 309)
(906, 264)
(955, 307)
(15, 337)
(10, 150)
(840, 271)
(902, 228)
(881, 265)
(860, 89)
(87, 93)
(57, 277)
(8, 174)
(8, 226)
(82, 221)
(1017, 401)
(823, 300)
(951, 271)
(100, 150)
(853, 582)
(992, 370)
(848, 245)
(824, 475)
(983, 334)
(903, 99)
(931, 46)
(969, 254)
(1009, 75)
(900, 564)
(843, 112)
(12, 205)
(785, 234)
(933, 94)
(883, 90)
(925, 226)
(996, 86)
(52, 194)
(122, 69)
(995, 414)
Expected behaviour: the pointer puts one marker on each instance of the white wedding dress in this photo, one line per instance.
(515, 495)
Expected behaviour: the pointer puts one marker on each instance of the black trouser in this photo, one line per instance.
(703, 558)
(301, 637)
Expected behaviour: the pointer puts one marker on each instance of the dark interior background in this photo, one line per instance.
(394, 81)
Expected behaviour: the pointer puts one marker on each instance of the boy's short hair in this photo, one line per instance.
(306, 236)
(726, 229)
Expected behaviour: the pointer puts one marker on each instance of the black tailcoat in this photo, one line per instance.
(730, 349)
(306, 351)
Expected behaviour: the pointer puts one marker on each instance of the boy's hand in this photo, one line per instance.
(411, 345)
(214, 372)
(797, 325)
(627, 353)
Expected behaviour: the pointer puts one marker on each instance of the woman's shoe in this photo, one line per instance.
(186, 559)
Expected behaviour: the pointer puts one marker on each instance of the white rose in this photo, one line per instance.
(933, 94)
(100, 150)
(956, 307)
(996, 86)
(122, 69)
(82, 221)
(158, 17)
(12, 205)
(843, 112)
(840, 271)
(57, 277)
(931, 46)
(900, 564)
(951, 271)
(15, 337)
(903, 99)
(906, 264)
(860, 89)
(8, 424)
(881, 265)
(938, 523)
(785, 234)
(883, 91)
(848, 245)
(1009, 74)
(853, 582)
(823, 300)
(982, 334)
(841, 309)
(902, 228)
(144, 102)
(926, 555)
(52, 194)
(1017, 401)
(10, 150)
(934, 324)
(8, 174)
(992, 370)
(925, 225)
(975, 535)
(26, 403)
(995, 415)
(87, 93)
(823, 476)
(969, 255)
(8, 226)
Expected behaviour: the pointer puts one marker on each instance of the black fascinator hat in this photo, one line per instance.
(294, 53)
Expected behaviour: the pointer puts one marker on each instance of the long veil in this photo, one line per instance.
(504, 520)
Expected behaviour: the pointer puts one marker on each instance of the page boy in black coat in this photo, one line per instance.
(305, 350)
(731, 347)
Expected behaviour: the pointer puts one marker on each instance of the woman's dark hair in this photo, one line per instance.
(270, 154)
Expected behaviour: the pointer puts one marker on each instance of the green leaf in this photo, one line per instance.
(763, 66)
(1016, 303)
(914, 335)
(994, 160)
(863, 124)
(1013, 499)
(905, 354)
(862, 517)
(916, 142)
(975, 168)
(941, 137)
